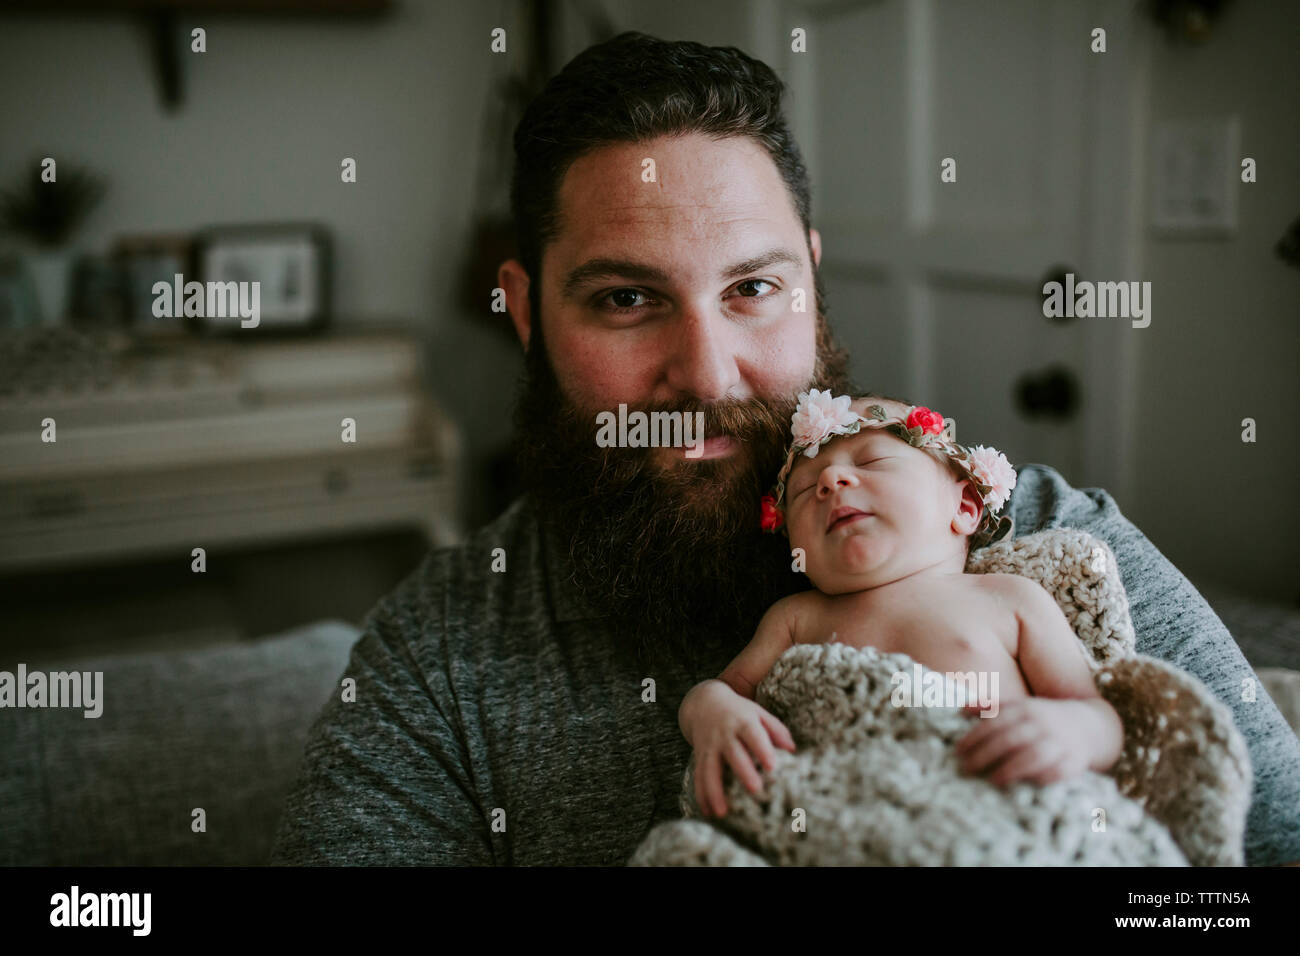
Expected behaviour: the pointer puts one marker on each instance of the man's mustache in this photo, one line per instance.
(745, 420)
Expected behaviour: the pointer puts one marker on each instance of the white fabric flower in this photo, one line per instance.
(818, 416)
(991, 467)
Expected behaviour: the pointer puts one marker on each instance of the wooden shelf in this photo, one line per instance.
(268, 7)
(168, 43)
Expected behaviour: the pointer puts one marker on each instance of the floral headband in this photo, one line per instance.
(819, 418)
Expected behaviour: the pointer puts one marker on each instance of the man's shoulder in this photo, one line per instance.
(459, 581)
(514, 530)
(1042, 499)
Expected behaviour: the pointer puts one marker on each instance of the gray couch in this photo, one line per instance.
(221, 728)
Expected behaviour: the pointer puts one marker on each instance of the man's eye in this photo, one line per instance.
(622, 293)
(750, 282)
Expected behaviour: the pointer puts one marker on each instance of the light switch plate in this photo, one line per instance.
(1195, 175)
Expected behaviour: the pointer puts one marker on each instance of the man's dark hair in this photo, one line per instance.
(635, 87)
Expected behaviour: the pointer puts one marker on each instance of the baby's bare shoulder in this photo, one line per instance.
(802, 612)
(1013, 587)
(801, 602)
(1032, 603)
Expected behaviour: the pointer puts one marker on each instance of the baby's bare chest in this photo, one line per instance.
(948, 630)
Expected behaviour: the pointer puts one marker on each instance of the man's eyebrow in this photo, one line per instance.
(605, 268)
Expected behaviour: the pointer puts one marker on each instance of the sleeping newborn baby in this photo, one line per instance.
(881, 507)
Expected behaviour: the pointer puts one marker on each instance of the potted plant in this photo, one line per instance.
(46, 214)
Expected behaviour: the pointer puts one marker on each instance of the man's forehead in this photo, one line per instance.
(682, 173)
(709, 201)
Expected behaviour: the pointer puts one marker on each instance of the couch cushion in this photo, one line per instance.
(1283, 686)
(219, 728)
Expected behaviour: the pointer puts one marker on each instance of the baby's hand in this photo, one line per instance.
(1040, 739)
(732, 724)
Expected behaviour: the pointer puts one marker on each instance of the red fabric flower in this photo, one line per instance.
(772, 518)
(928, 421)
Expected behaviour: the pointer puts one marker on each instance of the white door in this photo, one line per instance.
(936, 287)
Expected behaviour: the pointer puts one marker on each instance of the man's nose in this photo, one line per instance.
(703, 358)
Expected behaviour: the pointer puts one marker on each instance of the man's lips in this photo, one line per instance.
(716, 447)
(843, 515)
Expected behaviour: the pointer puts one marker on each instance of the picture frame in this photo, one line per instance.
(142, 261)
(291, 262)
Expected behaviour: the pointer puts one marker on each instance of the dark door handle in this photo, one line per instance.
(1052, 393)
(1058, 274)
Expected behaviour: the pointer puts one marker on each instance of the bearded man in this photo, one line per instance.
(529, 715)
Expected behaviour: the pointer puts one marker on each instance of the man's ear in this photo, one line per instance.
(512, 277)
(815, 240)
(969, 509)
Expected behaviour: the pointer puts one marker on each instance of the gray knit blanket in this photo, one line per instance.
(875, 784)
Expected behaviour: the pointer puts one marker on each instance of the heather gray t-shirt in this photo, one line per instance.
(487, 696)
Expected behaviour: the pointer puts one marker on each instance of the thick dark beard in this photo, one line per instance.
(673, 556)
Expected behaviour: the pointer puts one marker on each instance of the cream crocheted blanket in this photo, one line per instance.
(874, 784)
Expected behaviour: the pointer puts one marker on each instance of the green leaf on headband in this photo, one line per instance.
(877, 411)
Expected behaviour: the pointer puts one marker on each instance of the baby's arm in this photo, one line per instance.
(723, 723)
(1048, 651)
(775, 636)
(1077, 729)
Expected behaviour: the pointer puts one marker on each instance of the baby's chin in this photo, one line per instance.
(854, 566)
(842, 583)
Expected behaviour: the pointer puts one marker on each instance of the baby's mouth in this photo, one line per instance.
(844, 515)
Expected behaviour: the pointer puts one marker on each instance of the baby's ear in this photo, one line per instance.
(969, 509)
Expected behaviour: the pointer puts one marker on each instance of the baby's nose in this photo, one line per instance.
(832, 481)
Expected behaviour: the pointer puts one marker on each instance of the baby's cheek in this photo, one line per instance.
(798, 533)
(812, 550)
(796, 536)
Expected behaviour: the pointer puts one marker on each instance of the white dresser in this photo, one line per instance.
(168, 445)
